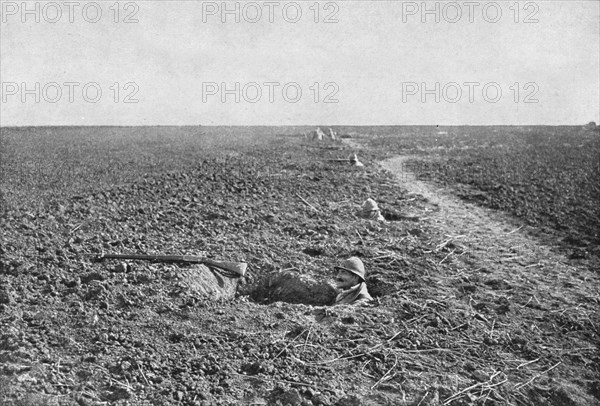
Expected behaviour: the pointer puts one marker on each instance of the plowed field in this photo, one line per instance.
(473, 306)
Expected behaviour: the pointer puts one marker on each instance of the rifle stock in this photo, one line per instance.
(238, 268)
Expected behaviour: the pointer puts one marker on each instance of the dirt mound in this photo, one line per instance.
(208, 282)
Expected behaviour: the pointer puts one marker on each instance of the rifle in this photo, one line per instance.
(236, 268)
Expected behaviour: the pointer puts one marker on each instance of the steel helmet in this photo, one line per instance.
(370, 205)
(355, 266)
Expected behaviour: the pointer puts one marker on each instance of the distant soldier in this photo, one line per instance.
(332, 134)
(370, 210)
(350, 280)
(318, 134)
(354, 160)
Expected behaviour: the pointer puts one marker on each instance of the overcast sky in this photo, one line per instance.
(353, 63)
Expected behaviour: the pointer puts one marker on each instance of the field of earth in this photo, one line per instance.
(484, 275)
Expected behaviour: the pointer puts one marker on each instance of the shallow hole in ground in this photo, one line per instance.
(390, 215)
(393, 215)
(293, 287)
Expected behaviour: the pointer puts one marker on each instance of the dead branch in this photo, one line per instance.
(519, 386)
(307, 203)
(387, 372)
(527, 363)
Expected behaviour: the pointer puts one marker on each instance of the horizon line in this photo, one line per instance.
(291, 125)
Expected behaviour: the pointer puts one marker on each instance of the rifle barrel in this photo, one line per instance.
(238, 268)
(165, 258)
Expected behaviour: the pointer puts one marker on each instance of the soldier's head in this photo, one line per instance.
(370, 205)
(351, 272)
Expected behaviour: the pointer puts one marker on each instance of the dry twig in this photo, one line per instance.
(387, 372)
(527, 363)
(515, 230)
(450, 253)
(307, 203)
(519, 386)
(423, 398)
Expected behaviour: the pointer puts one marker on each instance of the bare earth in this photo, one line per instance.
(469, 309)
(529, 274)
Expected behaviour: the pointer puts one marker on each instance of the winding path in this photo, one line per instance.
(493, 243)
